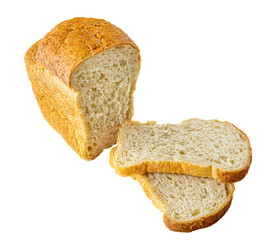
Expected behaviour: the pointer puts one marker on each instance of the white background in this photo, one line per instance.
(206, 59)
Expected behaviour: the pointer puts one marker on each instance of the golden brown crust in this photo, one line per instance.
(232, 176)
(75, 40)
(183, 167)
(192, 225)
(198, 223)
(142, 180)
(111, 154)
(57, 103)
(50, 63)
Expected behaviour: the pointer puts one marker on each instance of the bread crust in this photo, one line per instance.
(57, 103)
(150, 166)
(188, 226)
(73, 41)
(200, 222)
(50, 63)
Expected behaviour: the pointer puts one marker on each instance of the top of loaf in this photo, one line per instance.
(71, 42)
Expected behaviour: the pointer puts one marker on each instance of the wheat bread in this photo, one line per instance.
(188, 202)
(205, 148)
(83, 74)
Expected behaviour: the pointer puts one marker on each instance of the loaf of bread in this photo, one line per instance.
(206, 148)
(188, 203)
(83, 74)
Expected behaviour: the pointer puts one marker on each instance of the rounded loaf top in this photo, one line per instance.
(71, 42)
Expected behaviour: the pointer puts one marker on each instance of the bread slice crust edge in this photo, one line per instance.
(150, 166)
(187, 226)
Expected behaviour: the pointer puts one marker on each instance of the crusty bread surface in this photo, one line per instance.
(83, 74)
(188, 202)
(206, 148)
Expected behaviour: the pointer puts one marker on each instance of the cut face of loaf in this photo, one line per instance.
(104, 85)
(207, 148)
(188, 202)
(83, 75)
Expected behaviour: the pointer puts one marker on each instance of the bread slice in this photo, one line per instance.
(83, 74)
(188, 202)
(206, 148)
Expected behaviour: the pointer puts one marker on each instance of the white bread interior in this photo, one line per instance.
(183, 197)
(195, 141)
(104, 85)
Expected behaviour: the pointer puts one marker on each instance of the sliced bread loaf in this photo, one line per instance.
(206, 148)
(188, 202)
(83, 74)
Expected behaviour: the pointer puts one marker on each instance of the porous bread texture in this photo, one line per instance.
(83, 75)
(188, 202)
(187, 197)
(199, 147)
(197, 140)
(105, 84)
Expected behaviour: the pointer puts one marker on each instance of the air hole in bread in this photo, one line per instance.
(181, 152)
(119, 47)
(196, 212)
(122, 63)
(168, 177)
(241, 135)
(102, 76)
(217, 161)
(224, 157)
